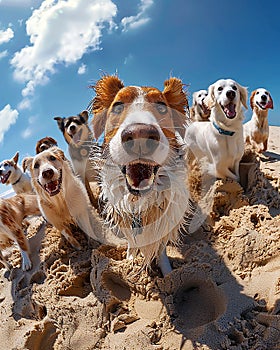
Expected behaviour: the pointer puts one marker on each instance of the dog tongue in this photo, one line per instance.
(2, 179)
(230, 110)
(269, 104)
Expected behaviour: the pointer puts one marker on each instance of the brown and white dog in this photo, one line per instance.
(80, 142)
(11, 174)
(12, 212)
(256, 130)
(220, 142)
(199, 112)
(143, 172)
(45, 143)
(62, 197)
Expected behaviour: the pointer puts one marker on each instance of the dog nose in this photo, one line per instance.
(263, 97)
(231, 94)
(48, 174)
(140, 139)
(72, 128)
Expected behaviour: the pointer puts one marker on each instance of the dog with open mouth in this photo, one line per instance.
(12, 213)
(11, 174)
(142, 168)
(80, 142)
(220, 141)
(256, 130)
(199, 111)
(62, 197)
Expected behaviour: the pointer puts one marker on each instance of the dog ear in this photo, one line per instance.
(177, 100)
(243, 95)
(59, 152)
(60, 123)
(271, 102)
(84, 115)
(209, 100)
(26, 163)
(15, 158)
(252, 99)
(106, 89)
(194, 99)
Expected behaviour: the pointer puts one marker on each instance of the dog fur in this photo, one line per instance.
(221, 140)
(45, 143)
(62, 197)
(80, 141)
(11, 174)
(143, 169)
(256, 130)
(12, 212)
(199, 111)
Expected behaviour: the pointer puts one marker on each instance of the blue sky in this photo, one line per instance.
(52, 50)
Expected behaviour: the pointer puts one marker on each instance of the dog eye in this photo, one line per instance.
(234, 87)
(6, 164)
(118, 107)
(36, 165)
(257, 92)
(199, 95)
(52, 158)
(220, 88)
(161, 107)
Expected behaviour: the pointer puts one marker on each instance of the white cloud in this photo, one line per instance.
(60, 32)
(133, 22)
(26, 133)
(6, 35)
(128, 59)
(3, 54)
(8, 117)
(82, 69)
(24, 104)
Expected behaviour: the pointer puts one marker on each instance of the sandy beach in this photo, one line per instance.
(223, 292)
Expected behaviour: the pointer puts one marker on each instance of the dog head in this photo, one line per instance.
(141, 127)
(261, 99)
(45, 143)
(198, 100)
(46, 170)
(75, 128)
(8, 169)
(228, 96)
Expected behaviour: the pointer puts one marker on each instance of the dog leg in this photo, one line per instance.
(265, 145)
(67, 233)
(164, 263)
(93, 200)
(24, 248)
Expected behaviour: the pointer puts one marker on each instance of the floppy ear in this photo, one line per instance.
(26, 163)
(209, 100)
(84, 115)
(243, 95)
(106, 89)
(177, 100)
(59, 153)
(271, 102)
(194, 99)
(15, 158)
(60, 123)
(252, 98)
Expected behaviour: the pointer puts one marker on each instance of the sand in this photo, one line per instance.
(223, 292)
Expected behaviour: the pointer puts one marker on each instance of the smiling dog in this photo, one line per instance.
(221, 140)
(11, 174)
(143, 172)
(256, 130)
(199, 111)
(62, 197)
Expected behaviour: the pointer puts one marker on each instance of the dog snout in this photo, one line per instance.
(72, 127)
(230, 94)
(48, 174)
(264, 98)
(140, 139)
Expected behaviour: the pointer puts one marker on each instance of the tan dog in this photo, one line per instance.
(45, 143)
(11, 174)
(12, 212)
(199, 112)
(220, 142)
(143, 167)
(62, 197)
(256, 130)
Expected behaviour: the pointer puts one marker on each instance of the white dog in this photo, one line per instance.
(62, 197)
(221, 140)
(11, 174)
(199, 111)
(256, 130)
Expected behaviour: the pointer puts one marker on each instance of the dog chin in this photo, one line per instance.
(140, 177)
(5, 178)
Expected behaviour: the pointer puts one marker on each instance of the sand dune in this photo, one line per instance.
(224, 291)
